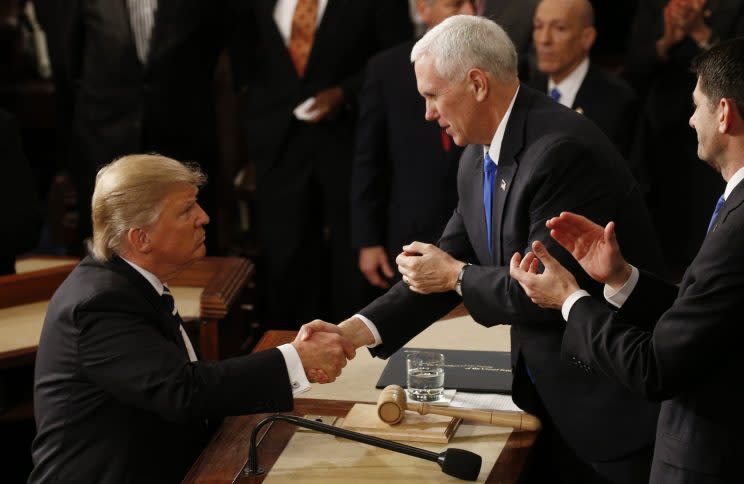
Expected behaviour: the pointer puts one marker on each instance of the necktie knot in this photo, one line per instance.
(489, 166)
(167, 299)
(555, 94)
(719, 205)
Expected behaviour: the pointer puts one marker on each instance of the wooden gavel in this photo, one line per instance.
(392, 405)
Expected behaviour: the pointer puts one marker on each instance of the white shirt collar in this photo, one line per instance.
(494, 149)
(569, 87)
(151, 278)
(733, 181)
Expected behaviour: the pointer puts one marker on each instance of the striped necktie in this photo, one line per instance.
(170, 304)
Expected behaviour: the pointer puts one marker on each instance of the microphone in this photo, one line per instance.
(459, 463)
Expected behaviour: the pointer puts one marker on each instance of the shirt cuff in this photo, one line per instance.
(372, 329)
(570, 301)
(618, 298)
(297, 378)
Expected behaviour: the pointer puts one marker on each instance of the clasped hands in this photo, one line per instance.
(682, 18)
(594, 247)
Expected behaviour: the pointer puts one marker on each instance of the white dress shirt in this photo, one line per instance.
(494, 151)
(297, 378)
(618, 298)
(284, 12)
(570, 86)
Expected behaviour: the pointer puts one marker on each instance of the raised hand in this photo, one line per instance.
(595, 248)
(428, 269)
(323, 354)
(373, 262)
(549, 289)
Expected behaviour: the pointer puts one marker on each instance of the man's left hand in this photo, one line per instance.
(549, 289)
(427, 269)
(327, 105)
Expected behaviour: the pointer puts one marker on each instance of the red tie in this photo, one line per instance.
(303, 31)
(446, 141)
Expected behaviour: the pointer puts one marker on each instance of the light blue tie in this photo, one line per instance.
(489, 176)
(719, 204)
(555, 94)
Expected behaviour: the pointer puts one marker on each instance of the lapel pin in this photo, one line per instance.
(503, 184)
(579, 110)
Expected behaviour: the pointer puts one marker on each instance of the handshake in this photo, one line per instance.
(325, 348)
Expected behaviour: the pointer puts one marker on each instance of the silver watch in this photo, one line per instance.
(458, 283)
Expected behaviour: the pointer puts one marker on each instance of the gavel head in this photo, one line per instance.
(391, 406)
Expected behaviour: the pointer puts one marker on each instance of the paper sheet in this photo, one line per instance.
(484, 401)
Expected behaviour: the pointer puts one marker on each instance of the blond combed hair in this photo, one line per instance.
(128, 194)
(463, 42)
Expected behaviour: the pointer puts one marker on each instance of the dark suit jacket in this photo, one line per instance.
(681, 347)
(349, 33)
(22, 216)
(116, 398)
(403, 180)
(115, 104)
(552, 159)
(607, 100)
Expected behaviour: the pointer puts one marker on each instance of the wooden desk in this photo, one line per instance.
(227, 453)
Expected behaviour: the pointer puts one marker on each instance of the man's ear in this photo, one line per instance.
(588, 36)
(478, 83)
(726, 116)
(138, 240)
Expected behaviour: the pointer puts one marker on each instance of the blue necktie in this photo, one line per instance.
(489, 176)
(719, 204)
(555, 94)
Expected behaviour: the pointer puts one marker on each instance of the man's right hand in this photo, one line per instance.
(373, 261)
(323, 355)
(595, 248)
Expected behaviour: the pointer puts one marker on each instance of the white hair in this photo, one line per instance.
(463, 42)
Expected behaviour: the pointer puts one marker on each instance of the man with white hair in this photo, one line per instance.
(119, 394)
(528, 159)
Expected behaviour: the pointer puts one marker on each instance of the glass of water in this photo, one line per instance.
(425, 377)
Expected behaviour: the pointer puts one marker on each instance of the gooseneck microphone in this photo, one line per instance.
(459, 463)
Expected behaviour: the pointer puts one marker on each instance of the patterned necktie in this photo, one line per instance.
(489, 176)
(142, 18)
(170, 304)
(303, 32)
(555, 94)
(719, 204)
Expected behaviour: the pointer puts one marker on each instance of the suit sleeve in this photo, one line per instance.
(694, 336)
(123, 352)
(370, 173)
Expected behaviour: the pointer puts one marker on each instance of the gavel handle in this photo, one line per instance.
(519, 421)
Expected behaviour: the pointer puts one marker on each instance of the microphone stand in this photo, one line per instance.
(454, 469)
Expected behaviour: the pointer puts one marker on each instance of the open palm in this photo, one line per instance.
(594, 247)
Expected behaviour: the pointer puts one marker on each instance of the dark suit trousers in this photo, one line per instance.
(552, 459)
(303, 227)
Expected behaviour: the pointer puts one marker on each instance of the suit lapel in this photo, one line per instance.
(142, 285)
(734, 201)
(510, 148)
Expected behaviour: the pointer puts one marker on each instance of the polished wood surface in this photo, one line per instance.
(227, 453)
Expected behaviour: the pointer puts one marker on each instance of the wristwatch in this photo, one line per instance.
(458, 283)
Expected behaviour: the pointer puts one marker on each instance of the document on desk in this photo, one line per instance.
(484, 401)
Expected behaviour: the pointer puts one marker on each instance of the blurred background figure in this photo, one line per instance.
(298, 66)
(666, 35)
(134, 76)
(395, 145)
(563, 35)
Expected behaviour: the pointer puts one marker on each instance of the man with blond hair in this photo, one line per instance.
(528, 158)
(119, 393)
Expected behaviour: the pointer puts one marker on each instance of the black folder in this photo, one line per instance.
(467, 371)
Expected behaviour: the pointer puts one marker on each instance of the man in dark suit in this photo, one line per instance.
(299, 66)
(22, 222)
(134, 76)
(395, 145)
(666, 36)
(680, 345)
(549, 159)
(119, 394)
(563, 35)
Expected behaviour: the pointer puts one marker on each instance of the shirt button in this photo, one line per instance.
(295, 385)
